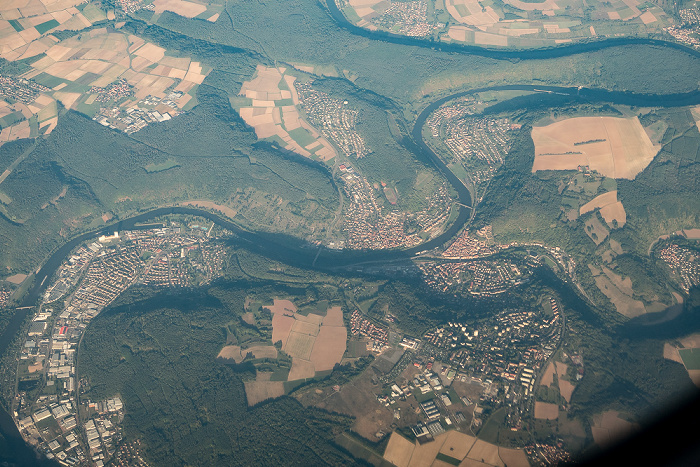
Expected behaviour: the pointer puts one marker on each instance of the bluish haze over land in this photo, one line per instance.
(391, 232)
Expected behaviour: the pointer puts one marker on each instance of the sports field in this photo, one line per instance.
(614, 147)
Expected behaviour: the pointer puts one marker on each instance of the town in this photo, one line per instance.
(48, 408)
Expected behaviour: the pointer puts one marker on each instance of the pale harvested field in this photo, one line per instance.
(235, 353)
(398, 450)
(16, 279)
(424, 454)
(566, 389)
(299, 345)
(671, 353)
(303, 327)
(180, 7)
(227, 211)
(311, 318)
(231, 352)
(248, 318)
(281, 307)
(485, 452)
(525, 6)
(485, 38)
(281, 327)
(301, 369)
(457, 444)
(334, 317)
(626, 151)
(258, 391)
(561, 368)
(694, 377)
(472, 463)
(546, 411)
(693, 234)
(548, 377)
(329, 347)
(513, 457)
(624, 304)
(599, 202)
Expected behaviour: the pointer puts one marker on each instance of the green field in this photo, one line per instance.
(691, 358)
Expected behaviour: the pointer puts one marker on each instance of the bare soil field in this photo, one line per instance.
(548, 377)
(566, 389)
(614, 147)
(329, 347)
(334, 317)
(16, 279)
(671, 353)
(546, 411)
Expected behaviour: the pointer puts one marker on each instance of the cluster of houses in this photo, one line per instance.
(684, 262)
(378, 336)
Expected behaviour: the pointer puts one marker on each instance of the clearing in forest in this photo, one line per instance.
(610, 209)
(613, 147)
(546, 411)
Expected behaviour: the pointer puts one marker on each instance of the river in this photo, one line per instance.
(298, 252)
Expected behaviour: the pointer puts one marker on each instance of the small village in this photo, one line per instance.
(405, 18)
(688, 32)
(48, 408)
(20, 89)
(335, 119)
(685, 263)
